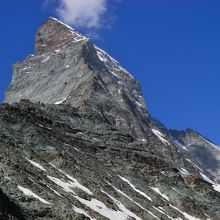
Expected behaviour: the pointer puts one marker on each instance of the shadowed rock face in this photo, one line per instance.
(8, 210)
(60, 163)
(203, 150)
(86, 147)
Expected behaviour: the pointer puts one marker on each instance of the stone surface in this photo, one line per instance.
(72, 159)
(87, 148)
(69, 68)
(204, 151)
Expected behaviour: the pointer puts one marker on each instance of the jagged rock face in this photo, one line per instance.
(47, 75)
(51, 36)
(205, 152)
(71, 70)
(68, 68)
(60, 163)
(92, 151)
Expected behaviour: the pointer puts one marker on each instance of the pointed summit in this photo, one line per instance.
(69, 69)
(54, 34)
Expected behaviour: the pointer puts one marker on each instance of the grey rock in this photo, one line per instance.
(69, 68)
(74, 161)
(86, 147)
(202, 150)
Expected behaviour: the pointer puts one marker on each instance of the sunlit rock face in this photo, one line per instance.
(84, 146)
(53, 35)
(68, 68)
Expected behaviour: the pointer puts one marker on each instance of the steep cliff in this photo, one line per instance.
(86, 147)
(203, 151)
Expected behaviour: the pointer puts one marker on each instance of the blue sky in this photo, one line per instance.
(172, 47)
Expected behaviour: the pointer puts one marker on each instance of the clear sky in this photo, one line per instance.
(172, 47)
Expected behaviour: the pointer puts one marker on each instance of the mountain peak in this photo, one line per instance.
(69, 69)
(54, 34)
(75, 130)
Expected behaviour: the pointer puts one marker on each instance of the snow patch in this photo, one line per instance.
(44, 127)
(194, 164)
(129, 198)
(66, 25)
(142, 140)
(213, 145)
(81, 211)
(71, 146)
(101, 57)
(152, 214)
(179, 144)
(186, 215)
(139, 105)
(73, 183)
(207, 179)
(184, 171)
(46, 59)
(54, 191)
(69, 185)
(116, 76)
(78, 185)
(35, 164)
(176, 191)
(109, 61)
(135, 189)
(59, 102)
(29, 193)
(66, 186)
(124, 213)
(162, 212)
(79, 37)
(215, 186)
(208, 217)
(157, 190)
(7, 178)
(103, 210)
(26, 68)
(160, 136)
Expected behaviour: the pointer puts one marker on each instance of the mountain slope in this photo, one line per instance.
(57, 162)
(203, 150)
(86, 147)
(68, 68)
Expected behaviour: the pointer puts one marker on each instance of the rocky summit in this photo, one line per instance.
(77, 142)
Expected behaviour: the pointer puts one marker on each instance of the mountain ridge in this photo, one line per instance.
(203, 150)
(82, 65)
(85, 145)
(103, 87)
